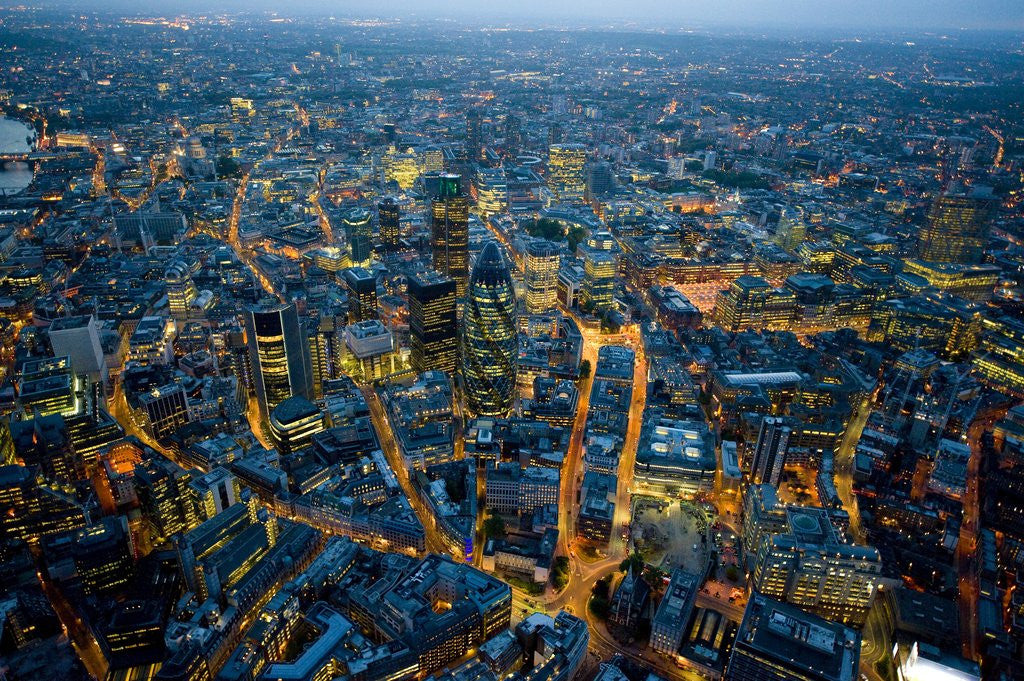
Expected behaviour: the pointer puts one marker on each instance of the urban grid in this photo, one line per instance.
(373, 349)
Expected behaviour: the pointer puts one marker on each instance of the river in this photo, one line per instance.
(14, 176)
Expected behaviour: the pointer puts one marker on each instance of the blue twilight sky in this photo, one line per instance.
(901, 15)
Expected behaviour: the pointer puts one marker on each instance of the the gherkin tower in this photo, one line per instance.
(490, 340)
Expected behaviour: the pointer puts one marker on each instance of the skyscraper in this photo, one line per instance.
(490, 343)
(791, 230)
(359, 231)
(279, 357)
(180, 289)
(540, 274)
(600, 272)
(361, 287)
(388, 216)
(433, 326)
(565, 172)
(474, 135)
(958, 226)
(450, 231)
(770, 451)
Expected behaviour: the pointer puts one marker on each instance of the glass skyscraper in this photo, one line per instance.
(359, 231)
(490, 342)
(540, 276)
(957, 228)
(279, 356)
(450, 232)
(388, 216)
(433, 325)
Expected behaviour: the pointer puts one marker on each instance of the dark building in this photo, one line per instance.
(361, 286)
(450, 232)
(359, 232)
(770, 451)
(388, 216)
(278, 355)
(780, 642)
(433, 327)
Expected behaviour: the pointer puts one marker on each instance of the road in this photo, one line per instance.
(843, 466)
(435, 542)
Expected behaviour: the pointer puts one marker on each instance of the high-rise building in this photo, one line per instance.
(540, 275)
(213, 493)
(600, 272)
(79, 339)
(388, 217)
(958, 226)
(450, 232)
(433, 325)
(294, 422)
(181, 291)
(278, 355)
(166, 409)
(361, 286)
(769, 454)
(474, 135)
(491, 191)
(359, 232)
(778, 642)
(490, 342)
(565, 172)
(600, 180)
(513, 134)
(791, 229)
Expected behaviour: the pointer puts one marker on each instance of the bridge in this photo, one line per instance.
(27, 157)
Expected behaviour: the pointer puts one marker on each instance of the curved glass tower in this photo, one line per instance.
(490, 340)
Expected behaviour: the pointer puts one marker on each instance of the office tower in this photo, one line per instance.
(490, 343)
(778, 642)
(600, 180)
(433, 325)
(359, 232)
(181, 291)
(540, 276)
(769, 454)
(513, 134)
(957, 228)
(600, 272)
(78, 338)
(166, 409)
(474, 135)
(491, 191)
(791, 229)
(388, 217)
(450, 232)
(278, 355)
(104, 555)
(213, 493)
(361, 287)
(810, 566)
(565, 172)
(293, 423)
(371, 347)
(161, 487)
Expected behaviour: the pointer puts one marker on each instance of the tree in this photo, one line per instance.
(574, 236)
(602, 587)
(732, 574)
(560, 572)
(494, 527)
(228, 167)
(635, 560)
(546, 228)
(585, 369)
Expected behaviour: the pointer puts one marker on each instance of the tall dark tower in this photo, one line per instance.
(359, 231)
(433, 325)
(388, 216)
(278, 354)
(513, 135)
(770, 451)
(490, 341)
(474, 135)
(361, 286)
(958, 226)
(450, 231)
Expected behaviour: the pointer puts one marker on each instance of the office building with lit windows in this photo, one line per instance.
(540, 275)
(491, 191)
(565, 174)
(490, 341)
(388, 219)
(181, 290)
(973, 282)
(957, 227)
(450, 231)
(999, 359)
(294, 422)
(359, 234)
(166, 409)
(600, 273)
(279, 355)
(433, 323)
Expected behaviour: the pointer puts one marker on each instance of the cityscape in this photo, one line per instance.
(378, 346)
